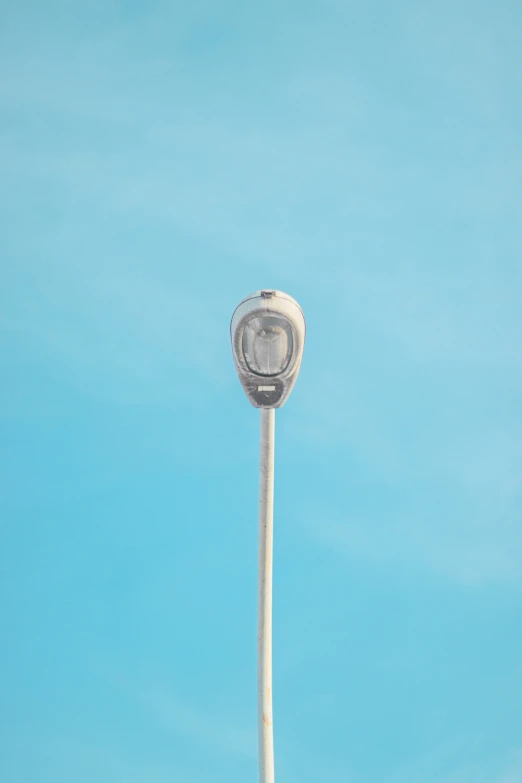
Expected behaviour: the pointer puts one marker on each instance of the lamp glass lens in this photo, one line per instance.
(267, 344)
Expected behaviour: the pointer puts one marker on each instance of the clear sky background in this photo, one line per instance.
(160, 161)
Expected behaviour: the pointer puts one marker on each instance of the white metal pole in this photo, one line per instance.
(264, 637)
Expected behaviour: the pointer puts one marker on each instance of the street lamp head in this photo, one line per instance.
(268, 334)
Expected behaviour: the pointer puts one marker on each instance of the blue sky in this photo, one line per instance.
(159, 162)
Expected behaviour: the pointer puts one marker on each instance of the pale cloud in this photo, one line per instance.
(121, 334)
(512, 772)
(466, 543)
(215, 731)
(443, 763)
(212, 730)
(72, 758)
(471, 540)
(507, 769)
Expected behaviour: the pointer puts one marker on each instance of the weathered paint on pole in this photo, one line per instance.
(266, 520)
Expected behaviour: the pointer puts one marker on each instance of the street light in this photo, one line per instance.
(268, 334)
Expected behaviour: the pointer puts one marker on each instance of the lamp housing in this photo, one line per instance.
(268, 334)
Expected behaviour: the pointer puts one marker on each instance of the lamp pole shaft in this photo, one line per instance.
(264, 633)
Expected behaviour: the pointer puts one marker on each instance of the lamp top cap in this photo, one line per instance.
(269, 293)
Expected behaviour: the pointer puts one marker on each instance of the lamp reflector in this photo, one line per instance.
(267, 344)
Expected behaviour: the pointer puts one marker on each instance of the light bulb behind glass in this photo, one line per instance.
(267, 344)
